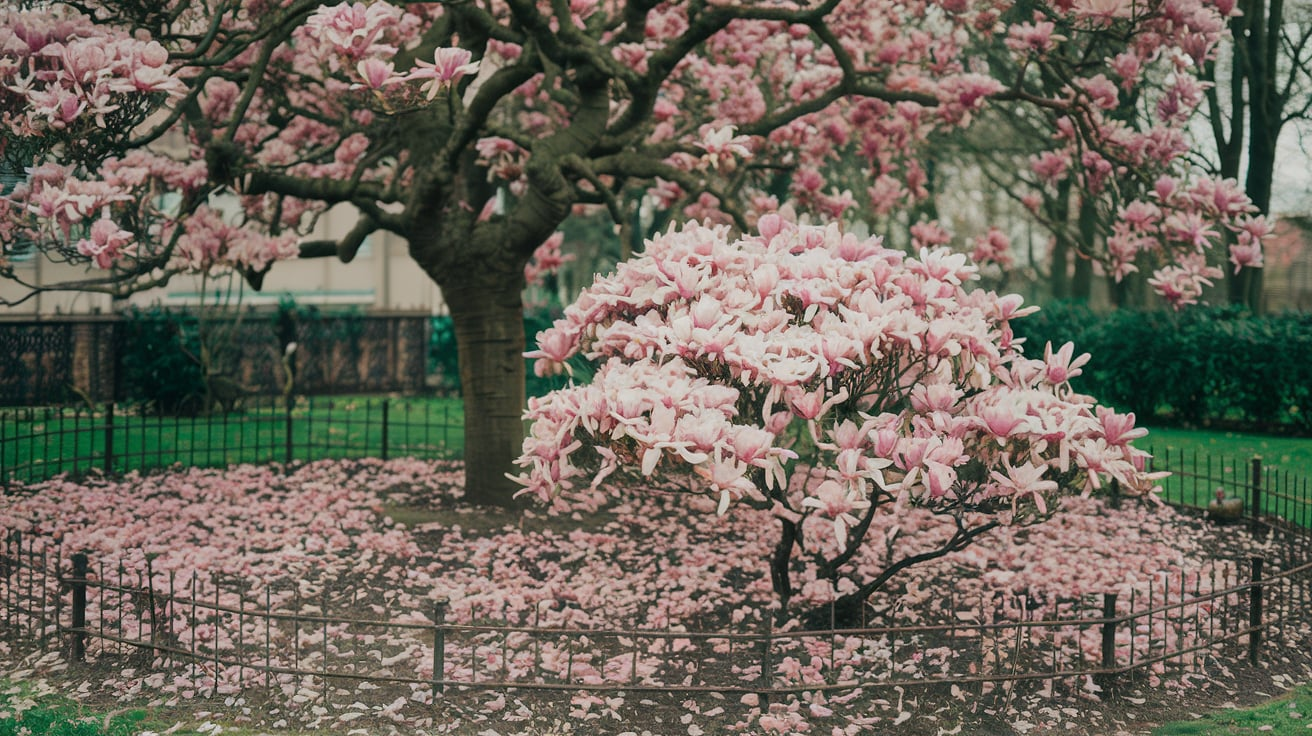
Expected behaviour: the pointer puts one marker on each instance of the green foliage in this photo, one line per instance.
(25, 714)
(443, 356)
(158, 359)
(1205, 366)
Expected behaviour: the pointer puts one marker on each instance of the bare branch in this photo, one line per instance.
(344, 249)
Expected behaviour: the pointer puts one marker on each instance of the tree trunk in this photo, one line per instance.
(1082, 279)
(487, 314)
(780, 562)
(1258, 184)
(1058, 211)
(1058, 279)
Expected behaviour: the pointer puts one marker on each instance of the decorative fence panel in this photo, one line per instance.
(227, 634)
(59, 359)
(56, 358)
(1273, 495)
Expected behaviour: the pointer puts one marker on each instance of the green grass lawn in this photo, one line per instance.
(37, 710)
(38, 443)
(1203, 461)
(1293, 454)
(1284, 716)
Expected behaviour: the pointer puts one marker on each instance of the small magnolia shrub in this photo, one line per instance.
(825, 378)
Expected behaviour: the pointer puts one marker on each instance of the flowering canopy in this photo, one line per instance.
(793, 89)
(823, 377)
(472, 130)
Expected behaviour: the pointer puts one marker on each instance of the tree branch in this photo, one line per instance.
(347, 248)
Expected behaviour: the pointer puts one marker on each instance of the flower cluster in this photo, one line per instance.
(61, 74)
(207, 243)
(547, 259)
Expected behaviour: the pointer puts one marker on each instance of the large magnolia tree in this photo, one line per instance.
(473, 129)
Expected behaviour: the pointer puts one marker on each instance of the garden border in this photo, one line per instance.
(1249, 604)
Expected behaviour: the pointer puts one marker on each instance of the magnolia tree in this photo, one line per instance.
(827, 379)
(154, 136)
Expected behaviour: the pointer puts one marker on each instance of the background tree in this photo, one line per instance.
(1260, 85)
(472, 130)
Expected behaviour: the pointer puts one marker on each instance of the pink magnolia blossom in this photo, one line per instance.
(1040, 37)
(377, 73)
(106, 242)
(1062, 366)
(1246, 253)
(354, 29)
(547, 259)
(448, 67)
(722, 146)
(1182, 285)
(993, 247)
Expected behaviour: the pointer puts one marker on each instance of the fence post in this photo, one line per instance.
(767, 671)
(109, 438)
(13, 565)
(439, 644)
(4, 451)
(287, 455)
(79, 584)
(1255, 495)
(384, 440)
(1108, 638)
(1255, 611)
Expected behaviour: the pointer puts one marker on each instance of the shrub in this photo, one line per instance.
(823, 378)
(158, 360)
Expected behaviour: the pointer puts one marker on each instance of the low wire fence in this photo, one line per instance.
(37, 444)
(227, 634)
(1268, 493)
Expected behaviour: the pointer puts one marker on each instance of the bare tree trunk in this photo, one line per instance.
(1082, 279)
(1057, 211)
(487, 314)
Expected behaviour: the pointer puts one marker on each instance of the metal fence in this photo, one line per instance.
(227, 638)
(37, 444)
(1270, 493)
(228, 634)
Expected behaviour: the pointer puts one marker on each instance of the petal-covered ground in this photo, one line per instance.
(384, 541)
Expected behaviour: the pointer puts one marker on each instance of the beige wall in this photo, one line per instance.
(382, 277)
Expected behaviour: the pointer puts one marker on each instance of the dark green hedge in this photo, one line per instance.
(1204, 366)
(158, 356)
